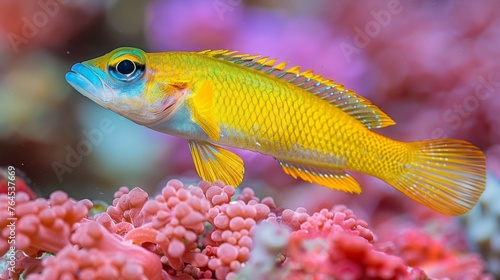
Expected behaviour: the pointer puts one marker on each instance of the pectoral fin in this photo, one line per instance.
(201, 103)
(336, 179)
(215, 163)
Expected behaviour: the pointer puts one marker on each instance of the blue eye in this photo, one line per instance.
(127, 70)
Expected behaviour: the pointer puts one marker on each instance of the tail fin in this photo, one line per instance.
(446, 175)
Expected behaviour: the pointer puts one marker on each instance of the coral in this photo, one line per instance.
(419, 249)
(339, 219)
(337, 244)
(99, 254)
(269, 240)
(293, 219)
(209, 231)
(42, 224)
(229, 241)
(175, 221)
(341, 255)
(180, 214)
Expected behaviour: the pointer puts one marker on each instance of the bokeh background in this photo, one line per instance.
(433, 66)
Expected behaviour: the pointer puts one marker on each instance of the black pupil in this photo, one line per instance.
(125, 67)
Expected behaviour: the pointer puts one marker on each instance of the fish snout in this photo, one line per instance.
(88, 82)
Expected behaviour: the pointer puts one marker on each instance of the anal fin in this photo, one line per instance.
(336, 179)
(215, 163)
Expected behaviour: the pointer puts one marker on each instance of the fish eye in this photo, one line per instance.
(125, 67)
(126, 70)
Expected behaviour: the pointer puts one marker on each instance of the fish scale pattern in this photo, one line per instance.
(276, 119)
(267, 118)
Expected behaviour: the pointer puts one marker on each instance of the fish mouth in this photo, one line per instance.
(88, 83)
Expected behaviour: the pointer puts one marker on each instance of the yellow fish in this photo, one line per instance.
(313, 126)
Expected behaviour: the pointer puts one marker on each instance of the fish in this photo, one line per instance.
(315, 128)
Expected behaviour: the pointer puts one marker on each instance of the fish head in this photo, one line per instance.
(125, 82)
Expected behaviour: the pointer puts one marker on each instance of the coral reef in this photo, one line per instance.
(209, 231)
(336, 244)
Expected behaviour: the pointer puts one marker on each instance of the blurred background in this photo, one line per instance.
(433, 66)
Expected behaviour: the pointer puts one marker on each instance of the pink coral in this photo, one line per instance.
(293, 219)
(340, 218)
(99, 254)
(169, 224)
(336, 244)
(229, 242)
(180, 214)
(175, 222)
(42, 224)
(419, 249)
(210, 232)
(342, 254)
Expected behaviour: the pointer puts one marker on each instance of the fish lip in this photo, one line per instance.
(86, 81)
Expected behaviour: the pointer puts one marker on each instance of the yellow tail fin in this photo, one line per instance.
(446, 175)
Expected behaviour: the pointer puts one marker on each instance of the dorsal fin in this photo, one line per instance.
(347, 100)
